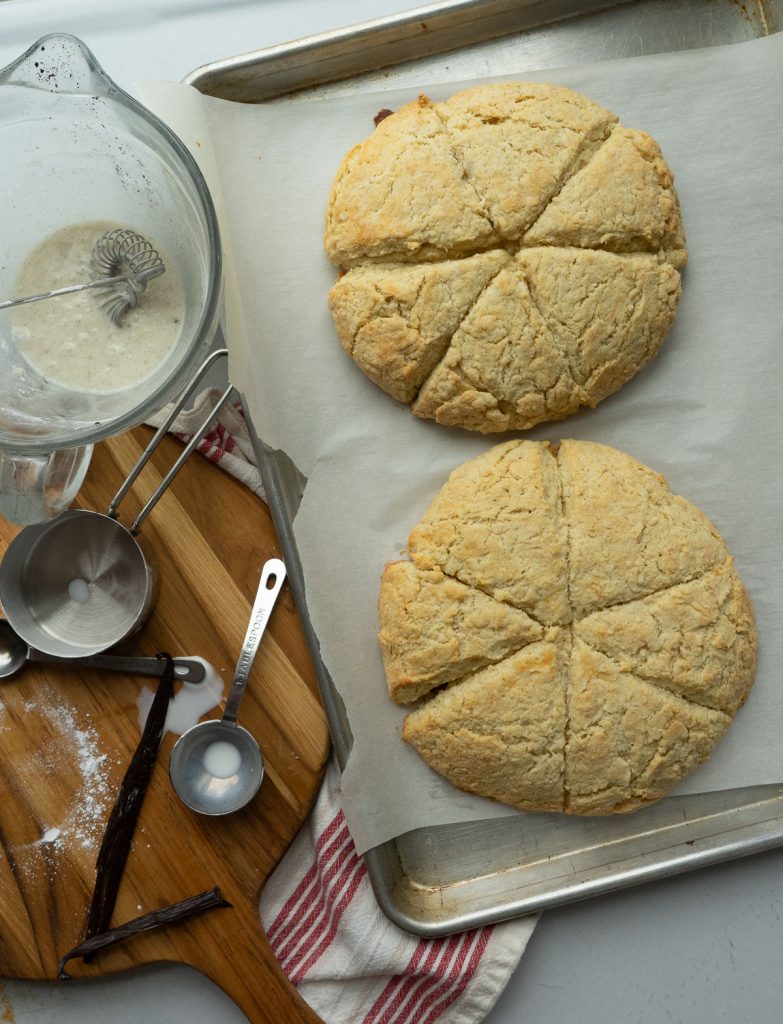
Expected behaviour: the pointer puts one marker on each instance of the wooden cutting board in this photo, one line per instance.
(66, 736)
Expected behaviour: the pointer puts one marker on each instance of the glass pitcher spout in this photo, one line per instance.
(59, 63)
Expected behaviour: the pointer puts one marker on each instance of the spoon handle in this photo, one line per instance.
(185, 670)
(272, 578)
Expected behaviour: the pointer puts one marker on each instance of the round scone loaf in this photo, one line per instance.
(577, 636)
(512, 254)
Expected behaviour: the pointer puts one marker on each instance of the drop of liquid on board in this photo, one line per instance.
(190, 702)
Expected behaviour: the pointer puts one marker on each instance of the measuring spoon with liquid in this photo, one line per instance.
(216, 767)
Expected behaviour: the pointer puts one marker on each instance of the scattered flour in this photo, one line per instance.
(84, 820)
(74, 740)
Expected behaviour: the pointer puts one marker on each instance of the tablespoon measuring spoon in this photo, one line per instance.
(216, 767)
(14, 652)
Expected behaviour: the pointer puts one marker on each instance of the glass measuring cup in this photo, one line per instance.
(73, 148)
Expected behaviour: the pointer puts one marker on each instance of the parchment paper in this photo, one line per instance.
(706, 412)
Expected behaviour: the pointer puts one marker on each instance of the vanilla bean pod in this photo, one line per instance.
(118, 836)
(172, 914)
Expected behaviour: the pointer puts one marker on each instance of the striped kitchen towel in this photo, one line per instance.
(348, 961)
(227, 442)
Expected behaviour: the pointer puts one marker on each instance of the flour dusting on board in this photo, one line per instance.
(71, 743)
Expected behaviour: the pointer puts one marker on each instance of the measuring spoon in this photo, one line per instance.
(14, 652)
(216, 767)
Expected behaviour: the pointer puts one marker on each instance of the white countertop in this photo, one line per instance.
(703, 948)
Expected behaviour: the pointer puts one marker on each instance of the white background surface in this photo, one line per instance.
(702, 948)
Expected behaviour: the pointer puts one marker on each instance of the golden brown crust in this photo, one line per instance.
(517, 142)
(496, 526)
(573, 569)
(396, 320)
(504, 369)
(500, 733)
(558, 329)
(623, 200)
(435, 629)
(608, 313)
(628, 534)
(588, 206)
(628, 741)
(381, 205)
(697, 639)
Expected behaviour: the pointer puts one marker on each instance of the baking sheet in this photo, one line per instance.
(703, 413)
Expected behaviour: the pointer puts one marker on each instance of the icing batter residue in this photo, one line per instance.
(70, 340)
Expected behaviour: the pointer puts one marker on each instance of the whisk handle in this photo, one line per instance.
(101, 282)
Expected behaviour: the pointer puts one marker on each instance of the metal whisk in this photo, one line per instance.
(126, 262)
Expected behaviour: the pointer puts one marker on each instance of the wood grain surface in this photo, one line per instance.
(66, 736)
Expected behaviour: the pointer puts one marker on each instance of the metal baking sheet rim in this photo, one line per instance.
(431, 910)
(438, 907)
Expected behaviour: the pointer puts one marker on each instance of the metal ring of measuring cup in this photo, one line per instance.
(81, 583)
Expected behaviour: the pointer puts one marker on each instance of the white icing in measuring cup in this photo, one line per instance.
(78, 590)
(221, 759)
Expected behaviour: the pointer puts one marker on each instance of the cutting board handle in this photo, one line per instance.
(243, 965)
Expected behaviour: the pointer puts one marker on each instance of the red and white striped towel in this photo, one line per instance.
(227, 442)
(348, 961)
